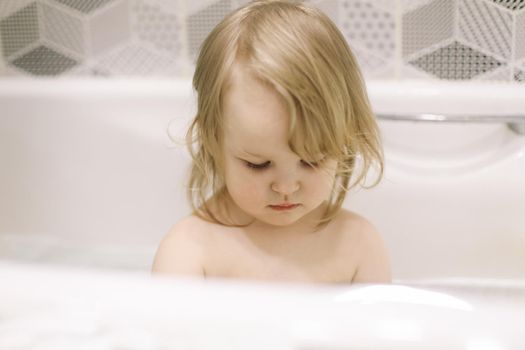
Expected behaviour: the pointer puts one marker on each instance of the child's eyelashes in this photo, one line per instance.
(265, 165)
(310, 164)
(257, 166)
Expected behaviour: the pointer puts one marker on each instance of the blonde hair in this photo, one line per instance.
(299, 51)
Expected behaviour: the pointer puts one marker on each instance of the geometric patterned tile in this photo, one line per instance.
(109, 27)
(408, 71)
(330, 8)
(448, 39)
(388, 5)
(411, 5)
(238, 3)
(84, 6)
(503, 73)
(487, 26)
(368, 62)
(134, 60)
(519, 75)
(44, 61)
(195, 6)
(19, 30)
(7, 7)
(87, 71)
(511, 4)
(427, 25)
(387, 72)
(519, 72)
(63, 29)
(155, 25)
(520, 35)
(200, 24)
(456, 62)
(10, 71)
(368, 27)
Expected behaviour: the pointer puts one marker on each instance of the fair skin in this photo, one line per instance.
(279, 245)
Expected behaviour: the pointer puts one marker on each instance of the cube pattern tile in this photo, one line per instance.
(8, 7)
(158, 26)
(495, 35)
(201, 23)
(456, 62)
(519, 72)
(388, 5)
(136, 60)
(84, 6)
(44, 61)
(411, 5)
(520, 35)
(329, 7)
(392, 39)
(19, 30)
(519, 75)
(369, 27)
(511, 4)
(427, 25)
(63, 29)
(109, 28)
(367, 60)
(501, 73)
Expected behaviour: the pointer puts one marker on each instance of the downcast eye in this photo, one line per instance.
(312, 164)
(257, 166)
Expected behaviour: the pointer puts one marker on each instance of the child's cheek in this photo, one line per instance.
(252, 185)
(243, 183)
(321, 184)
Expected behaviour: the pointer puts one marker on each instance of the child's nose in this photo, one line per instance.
(286, 185)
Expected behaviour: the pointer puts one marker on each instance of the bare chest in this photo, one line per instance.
(314, 258)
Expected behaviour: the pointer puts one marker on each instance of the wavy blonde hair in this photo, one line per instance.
(299, 51)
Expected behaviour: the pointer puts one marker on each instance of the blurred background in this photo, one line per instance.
(393, 39)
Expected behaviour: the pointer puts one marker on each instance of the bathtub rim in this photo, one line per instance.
(386, 96)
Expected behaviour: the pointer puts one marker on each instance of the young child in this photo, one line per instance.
(283, 126)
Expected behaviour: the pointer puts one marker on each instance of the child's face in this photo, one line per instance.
(261, 171)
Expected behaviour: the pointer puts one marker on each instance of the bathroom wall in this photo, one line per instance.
(393, 39)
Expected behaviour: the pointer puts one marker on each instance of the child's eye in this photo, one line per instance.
(312, 164)
(257, 166)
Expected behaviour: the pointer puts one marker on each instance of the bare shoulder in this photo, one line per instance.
(182, 250)
(350, 218)
(357, 226)
(373, 261)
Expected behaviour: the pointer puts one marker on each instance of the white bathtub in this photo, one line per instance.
(89, 175)
(89, 178)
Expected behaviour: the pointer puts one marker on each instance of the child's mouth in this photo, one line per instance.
(284, 207)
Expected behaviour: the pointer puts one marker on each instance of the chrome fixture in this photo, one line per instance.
(515, 123)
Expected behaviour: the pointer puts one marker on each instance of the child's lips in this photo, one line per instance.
(284, 206)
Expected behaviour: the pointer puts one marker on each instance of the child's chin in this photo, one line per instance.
(281, 221)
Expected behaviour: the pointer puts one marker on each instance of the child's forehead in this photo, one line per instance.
(256, 125)
(242, 77)
(254, 106)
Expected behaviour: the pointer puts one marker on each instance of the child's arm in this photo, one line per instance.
(374, 265)
(179, 252)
